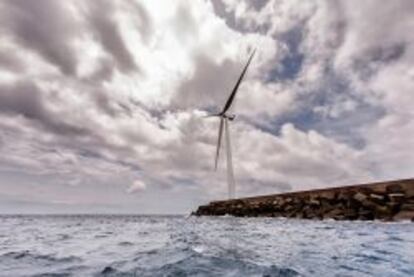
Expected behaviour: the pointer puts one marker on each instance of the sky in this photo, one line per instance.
(103, 103)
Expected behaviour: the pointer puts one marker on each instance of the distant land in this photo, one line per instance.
(388, 201)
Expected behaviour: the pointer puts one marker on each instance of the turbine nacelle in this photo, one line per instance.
(230, 117)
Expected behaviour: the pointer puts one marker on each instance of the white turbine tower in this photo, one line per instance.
(225, 118)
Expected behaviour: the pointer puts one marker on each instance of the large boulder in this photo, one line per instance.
(378, 198)
(383, 212)
(397, 197)
(351, 214)
(394, 188)
(359, 196)
(404, 215)
(407, 207)
(365, 214)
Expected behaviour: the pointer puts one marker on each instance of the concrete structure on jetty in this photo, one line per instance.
(393, 200)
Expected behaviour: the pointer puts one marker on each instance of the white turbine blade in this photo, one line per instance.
(220, 135)
(230, 173)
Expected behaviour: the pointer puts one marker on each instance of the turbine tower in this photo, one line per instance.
(225, 118)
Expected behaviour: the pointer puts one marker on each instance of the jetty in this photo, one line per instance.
(388, 201)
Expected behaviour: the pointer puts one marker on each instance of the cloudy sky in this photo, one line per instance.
(102, 102)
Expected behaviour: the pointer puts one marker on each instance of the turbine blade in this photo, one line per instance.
(236, 87)
(230, 173)
(211, 115)
(220, 134)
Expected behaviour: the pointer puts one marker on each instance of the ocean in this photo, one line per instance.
(131, 245)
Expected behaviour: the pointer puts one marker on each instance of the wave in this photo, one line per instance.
(26, 256)
(199, 265)
(175, 246)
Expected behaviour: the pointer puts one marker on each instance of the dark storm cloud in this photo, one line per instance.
(369, 63)
(10, 62)
(220, 10)
(291, 64)
(49, 28)
(108, 34)
(258, 4)
(143, 21)
(25, 99)
(388, 54)
(239, 24)
(43, 26)
(104, 71)
(106, 104)
(103, 102)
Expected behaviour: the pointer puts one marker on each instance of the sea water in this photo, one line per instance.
(105, 245)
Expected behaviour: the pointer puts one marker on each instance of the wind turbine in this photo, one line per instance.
(225, 118)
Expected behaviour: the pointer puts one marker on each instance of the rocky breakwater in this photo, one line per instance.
(393, 200)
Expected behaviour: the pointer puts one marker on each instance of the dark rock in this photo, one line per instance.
(394, 188)
(377, 198)
(342, 196)
(326, 205)
(351, 214)
(333, 213)
(407, 207)
(368, 204)
(108, 270)
(354, 204)
(365, 190)
(365, 215)
(339, 217)
(328, 195)
(404, 215)
(409, 192)
(383, 212)
(396, 197)
(385, 201)
(360, 197)
(314, 202)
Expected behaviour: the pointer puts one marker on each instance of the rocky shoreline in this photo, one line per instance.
(389, 201)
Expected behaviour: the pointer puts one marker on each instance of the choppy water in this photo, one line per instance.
(176, 246)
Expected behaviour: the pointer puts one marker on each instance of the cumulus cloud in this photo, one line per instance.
(53, 40)
(108, 33)
(137, 186)
(96, 97)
